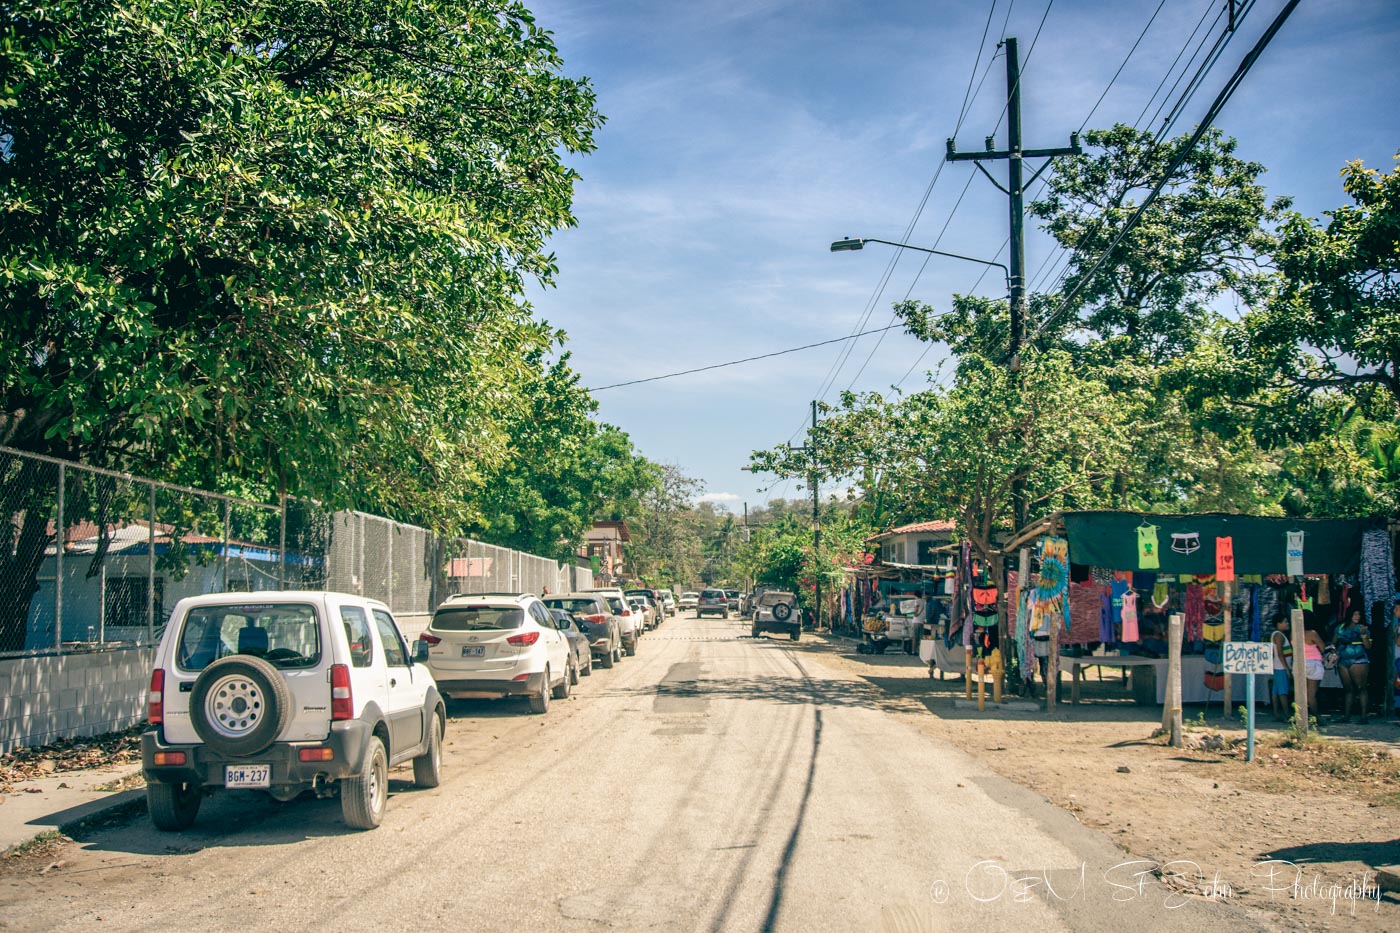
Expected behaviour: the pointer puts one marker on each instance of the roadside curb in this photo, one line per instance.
(130, 803)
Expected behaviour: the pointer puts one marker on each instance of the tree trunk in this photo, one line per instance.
(26, 510)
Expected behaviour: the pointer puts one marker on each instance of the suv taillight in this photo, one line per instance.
(342, 702)
(524, 639)
(429, 639)
(597, 618)
(155, 700)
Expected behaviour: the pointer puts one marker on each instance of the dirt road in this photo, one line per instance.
(713, 782)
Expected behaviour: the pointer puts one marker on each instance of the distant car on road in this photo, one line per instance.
(776, 611)
(628, 621)
(733, 597)
(657, 609)
(595, 619)
(578, 643)
(712, 601)
(689, 600)
(668, 601)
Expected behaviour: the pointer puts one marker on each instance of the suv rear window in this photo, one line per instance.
(477, 618)
(285, 634)
(713, 594)
(584, 606)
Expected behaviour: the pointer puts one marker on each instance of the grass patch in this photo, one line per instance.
(42, 845)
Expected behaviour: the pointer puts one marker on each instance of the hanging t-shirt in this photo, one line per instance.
(1147, 547)
(1130, 616)
(1224, 559)
(1295, 554)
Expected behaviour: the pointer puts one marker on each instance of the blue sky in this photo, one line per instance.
(743, 137)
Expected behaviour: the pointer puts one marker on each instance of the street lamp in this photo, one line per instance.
(854, 243)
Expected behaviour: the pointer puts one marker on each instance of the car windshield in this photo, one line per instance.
(772, 599)
(477, 618)
(284, 634)
(643, 593)
(614, 603)
(733, 594)
(585, 606)
(713, 594)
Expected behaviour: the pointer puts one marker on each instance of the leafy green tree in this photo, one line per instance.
(1206, 235)
(284, 242)
(1335, 323)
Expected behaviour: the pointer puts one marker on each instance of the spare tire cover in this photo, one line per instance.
(239, 705)
(781, 611)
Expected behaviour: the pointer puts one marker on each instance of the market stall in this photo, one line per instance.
(1107, 582)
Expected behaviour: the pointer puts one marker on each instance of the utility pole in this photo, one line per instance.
(1014, 189)
(816, 521)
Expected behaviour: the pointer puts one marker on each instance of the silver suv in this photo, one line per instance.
(776, 611)
(712, 600)
(285, 692)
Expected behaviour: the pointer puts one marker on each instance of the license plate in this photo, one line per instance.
(247, 775)
(473, 651)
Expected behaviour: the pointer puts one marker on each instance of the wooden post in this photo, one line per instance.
(981, 685)
(1300, 677)
(1173, 696)
(998, 673)
(967, 671)
(1052, 664)
(1229, 636)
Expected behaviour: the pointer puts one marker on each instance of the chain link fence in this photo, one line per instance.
(132, 547)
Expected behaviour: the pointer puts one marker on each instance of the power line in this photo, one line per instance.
(1207, 121)
(748, 359)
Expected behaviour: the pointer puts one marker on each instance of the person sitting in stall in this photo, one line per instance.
(1279, 688)
(1353, 641)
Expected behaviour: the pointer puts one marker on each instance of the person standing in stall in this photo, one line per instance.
(1283, 664)
(1353, 641)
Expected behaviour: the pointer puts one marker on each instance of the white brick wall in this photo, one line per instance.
(43, 699)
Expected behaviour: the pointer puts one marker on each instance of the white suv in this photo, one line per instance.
(499, 646)
(286, 692)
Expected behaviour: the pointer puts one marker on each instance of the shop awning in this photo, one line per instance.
(1186, 543)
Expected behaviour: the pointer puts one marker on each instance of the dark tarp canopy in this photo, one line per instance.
(1109, 539)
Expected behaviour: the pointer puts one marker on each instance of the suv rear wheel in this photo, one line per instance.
(539, 702)
(362, 798)
(173, 807)
(561, 692)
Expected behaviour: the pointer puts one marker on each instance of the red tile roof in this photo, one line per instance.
(935, 527)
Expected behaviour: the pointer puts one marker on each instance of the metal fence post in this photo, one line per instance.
(151, 570)
(282, 548)
(223, 558)
(58, 563)
(389, 563)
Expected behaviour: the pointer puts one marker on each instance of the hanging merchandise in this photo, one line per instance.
(1224, 559)
(1052, 587)
(1294, 553)
(1085, 610)
(1147, 547)
(1377, 575)
(1130, 617)
(1195, 610)
(1161, 595)
(1105, 617)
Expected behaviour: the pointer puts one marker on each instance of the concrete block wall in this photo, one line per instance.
(67, 696)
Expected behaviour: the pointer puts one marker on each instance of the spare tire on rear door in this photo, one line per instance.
(240, 704)
(781, 612)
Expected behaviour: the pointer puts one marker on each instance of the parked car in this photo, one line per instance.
(656, 613)
(733, 597)
(286, 692)
(629, 622)
(689, 600)
(595, 619)
(640, 604)
(668, 601)
(578, 643)
(776, 611)
(498, 646)
(712, 601)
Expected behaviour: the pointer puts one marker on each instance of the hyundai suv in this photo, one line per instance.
(499, 646)
(285, 692)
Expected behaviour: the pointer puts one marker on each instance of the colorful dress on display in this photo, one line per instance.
(1195, 611)
(1130, 617)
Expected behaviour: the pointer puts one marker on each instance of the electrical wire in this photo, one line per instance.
(1221, 99)
(748, 359)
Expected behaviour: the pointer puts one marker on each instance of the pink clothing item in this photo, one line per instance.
(1312, 653)
(1195, 612)
(1130, 618)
